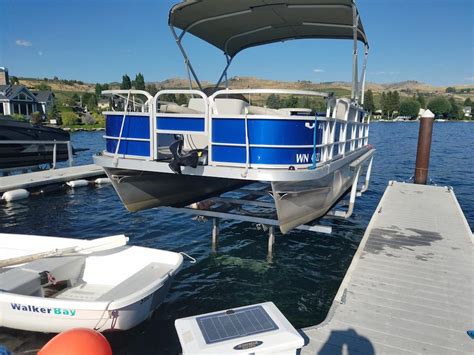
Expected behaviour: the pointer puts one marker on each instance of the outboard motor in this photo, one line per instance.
(193, 158)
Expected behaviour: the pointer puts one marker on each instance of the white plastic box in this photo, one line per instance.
(256, 329)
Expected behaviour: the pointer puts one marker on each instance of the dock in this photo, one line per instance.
(409, 288)
(48, 177)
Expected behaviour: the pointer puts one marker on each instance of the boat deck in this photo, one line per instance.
(409, 288)
(47, 177)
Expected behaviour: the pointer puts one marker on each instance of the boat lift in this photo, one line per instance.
(253, 203)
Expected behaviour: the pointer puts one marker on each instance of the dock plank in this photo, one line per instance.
(409, 288)
(51, 176)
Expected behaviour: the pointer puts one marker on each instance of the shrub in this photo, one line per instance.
(69, 118)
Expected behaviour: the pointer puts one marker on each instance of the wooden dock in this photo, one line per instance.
(47, 177)
(409, 288)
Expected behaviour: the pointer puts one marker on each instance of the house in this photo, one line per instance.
(104, 104)
(18, 99)
(467, 111)
(45, 99)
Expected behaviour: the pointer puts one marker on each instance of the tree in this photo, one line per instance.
(105, 86)
(450, 90)
(53, 114)
(14, 80)
(181, 99)
(455, 112)
(410, 108)
(468, 102)
(69, 118)
(421, 99)
(139, 82)
(36, 118)
(151, 88)
(369, 104)
(126, 83)
(98, 90)
(89, 100)
(291, 102)
(273, 101)
(384, 104)
(439, 106)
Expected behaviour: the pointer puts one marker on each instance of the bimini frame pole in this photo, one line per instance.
(364, 70)
(355, 74)
(183, 52)
(224, 73)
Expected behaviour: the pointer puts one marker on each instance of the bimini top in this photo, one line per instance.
(233, 25)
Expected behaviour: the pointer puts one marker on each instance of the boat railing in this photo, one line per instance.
(129, 124)
(54, 143)
(235, 132)
(189, 120)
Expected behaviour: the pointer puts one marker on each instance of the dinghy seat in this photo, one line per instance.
(149, 274)
(28, 279)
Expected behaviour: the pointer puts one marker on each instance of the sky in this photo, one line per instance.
(431, 41)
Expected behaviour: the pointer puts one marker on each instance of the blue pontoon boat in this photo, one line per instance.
(161, 153)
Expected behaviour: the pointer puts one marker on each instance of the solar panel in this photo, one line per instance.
(235, 324)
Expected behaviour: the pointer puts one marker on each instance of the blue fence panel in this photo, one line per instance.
(260, 155)
(191, 124)
(264, 131)
(134, 127)
(129, 147)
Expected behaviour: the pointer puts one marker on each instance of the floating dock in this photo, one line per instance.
(409, 288)
(48, 177)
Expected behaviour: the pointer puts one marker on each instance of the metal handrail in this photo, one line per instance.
(54, 143)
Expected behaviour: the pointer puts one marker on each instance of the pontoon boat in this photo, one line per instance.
(161, 153)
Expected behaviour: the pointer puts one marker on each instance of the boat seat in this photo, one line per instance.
(137, 281)
(175, 108)
(257, 110)
(225, 106)
(26, 280)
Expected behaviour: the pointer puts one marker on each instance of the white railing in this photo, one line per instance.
(53, 143)
(340, 113)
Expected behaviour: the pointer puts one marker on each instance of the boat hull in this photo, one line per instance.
(21, 155)
(51, 315)
(300, 202)
(141, 190)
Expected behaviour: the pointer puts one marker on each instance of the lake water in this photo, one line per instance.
(306, 269)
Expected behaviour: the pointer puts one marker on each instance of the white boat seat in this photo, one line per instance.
(257, 110)
(175, 108)
(22, 282)
(226, 106)
(137, 281)
(25, 279)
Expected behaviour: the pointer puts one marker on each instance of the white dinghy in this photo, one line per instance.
(51, 284)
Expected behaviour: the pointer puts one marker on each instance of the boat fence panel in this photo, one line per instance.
(128, 126)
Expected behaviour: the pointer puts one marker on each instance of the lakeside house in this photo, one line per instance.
(467, 111)
(18, 99)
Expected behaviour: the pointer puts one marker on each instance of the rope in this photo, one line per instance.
(312, 167)
(115, 160)
(193, 261)
(247, 148)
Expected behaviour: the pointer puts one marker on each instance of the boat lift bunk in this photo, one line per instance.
(309, 161)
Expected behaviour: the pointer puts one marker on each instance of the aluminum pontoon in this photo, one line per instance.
(162, 153)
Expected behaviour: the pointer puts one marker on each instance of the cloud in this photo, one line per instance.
(471, 78)
(40, 53)
(318, 70)
(23, 43)
(384, 73)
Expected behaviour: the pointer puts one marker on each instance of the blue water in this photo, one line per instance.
(306, 269)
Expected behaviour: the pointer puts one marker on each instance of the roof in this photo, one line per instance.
(235, 25)
(43, 96)
(11, 91)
